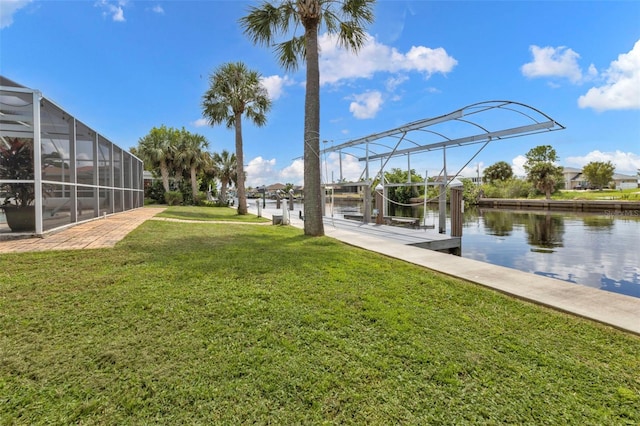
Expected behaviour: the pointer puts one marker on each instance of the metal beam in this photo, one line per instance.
(415, 125)
(468, 140)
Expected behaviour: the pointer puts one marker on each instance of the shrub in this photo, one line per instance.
(155, 192)
(512, 188)
(173, 198)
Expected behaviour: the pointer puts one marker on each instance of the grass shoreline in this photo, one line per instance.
(226, 323)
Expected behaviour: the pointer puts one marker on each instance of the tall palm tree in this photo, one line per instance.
(225, 166)
(236, 91)
(190, 156)
(156, 149)
(346, 20)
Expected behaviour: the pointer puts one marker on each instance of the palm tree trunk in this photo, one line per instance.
(222, 199)
(164, 173)
(242, 198)
(194, 183)
(313, 222)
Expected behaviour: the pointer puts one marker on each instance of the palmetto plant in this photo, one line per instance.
(226, 169)
(272, 20)
(190, 156)
(156, 149)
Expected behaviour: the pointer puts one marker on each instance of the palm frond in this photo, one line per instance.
(351, 36)
(263, 24)
(291, 52)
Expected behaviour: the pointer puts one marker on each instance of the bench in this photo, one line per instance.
(405, 221)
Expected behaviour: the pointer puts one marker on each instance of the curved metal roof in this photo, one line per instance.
(476, 123)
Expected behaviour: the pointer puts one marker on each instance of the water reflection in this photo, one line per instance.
(545, 231)
(597, 221)
(592, 249)
(497, 223)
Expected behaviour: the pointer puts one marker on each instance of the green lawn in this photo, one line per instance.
(209, 214)
(186, 323)
(605, 194)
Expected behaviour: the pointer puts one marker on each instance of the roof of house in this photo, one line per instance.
(619, 176)
(276, 186)
(571, 170)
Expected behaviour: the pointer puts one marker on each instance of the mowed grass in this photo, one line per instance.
(605, 194)
(208, 214)
(186, 323)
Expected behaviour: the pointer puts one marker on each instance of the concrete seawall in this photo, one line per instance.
(632, 208)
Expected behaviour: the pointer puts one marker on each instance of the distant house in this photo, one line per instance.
(625, 181)
(148, 178)
(272, 189)
(575, 179)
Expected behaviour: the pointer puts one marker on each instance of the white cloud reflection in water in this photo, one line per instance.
(596, 250)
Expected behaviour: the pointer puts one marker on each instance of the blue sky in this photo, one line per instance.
(123, 67)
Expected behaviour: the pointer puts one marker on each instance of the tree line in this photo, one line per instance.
(543, 176)
(184, 167)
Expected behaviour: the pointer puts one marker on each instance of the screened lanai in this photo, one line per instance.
(55, 170)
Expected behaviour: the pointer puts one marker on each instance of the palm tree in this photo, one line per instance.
(190, 156)
(236, 91)
(226, 169)
(346, 19)
(156, 150)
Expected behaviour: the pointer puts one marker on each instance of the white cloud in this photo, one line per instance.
(113, 9)
(517, 165)
(293, 173)
(622, 87)
(8, 9)
(427, 60)
(472, 171)
(158, 9)
(392, 83)
(337, 64)
(366, 105)
(331, 164)
(261, 172)
(275, 85)
(625, 162)
(554, 62)
(200, 122)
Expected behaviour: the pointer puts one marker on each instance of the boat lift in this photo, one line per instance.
(479, 123)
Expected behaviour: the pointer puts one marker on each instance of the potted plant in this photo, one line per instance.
(16, 163)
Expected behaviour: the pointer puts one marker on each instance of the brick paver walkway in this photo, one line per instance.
(97, 233)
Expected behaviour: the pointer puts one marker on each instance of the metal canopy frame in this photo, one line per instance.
(473, 124)
(477, 123)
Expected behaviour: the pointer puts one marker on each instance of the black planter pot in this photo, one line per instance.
(20, 219)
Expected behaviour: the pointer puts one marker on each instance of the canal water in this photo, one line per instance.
(599, 250)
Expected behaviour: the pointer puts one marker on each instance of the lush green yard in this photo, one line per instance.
(209, 213)
(186, 323)
(605, 194)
